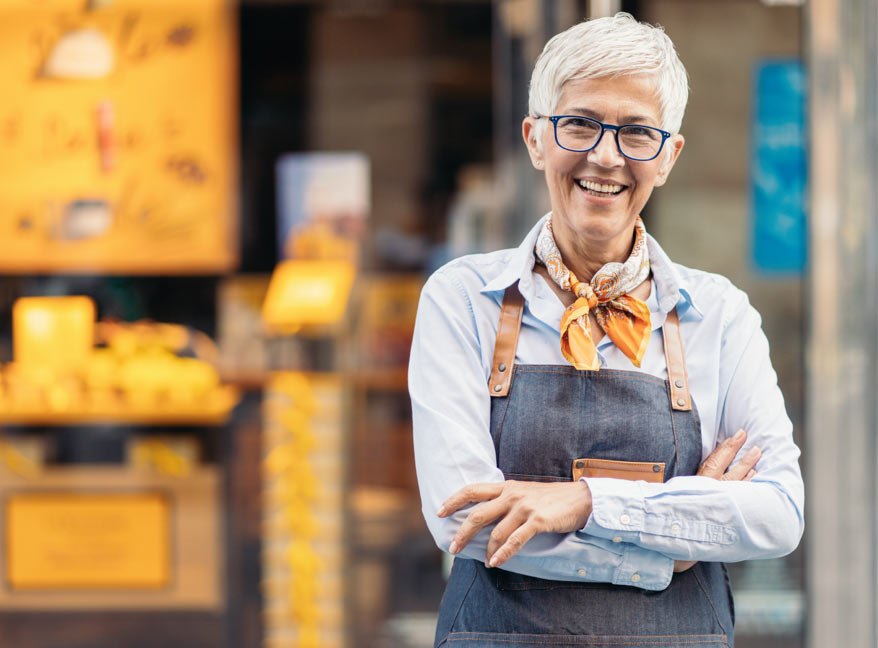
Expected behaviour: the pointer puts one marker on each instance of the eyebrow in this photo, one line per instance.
(628, 119)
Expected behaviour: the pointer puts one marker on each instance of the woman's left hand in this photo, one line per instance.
(521, 510)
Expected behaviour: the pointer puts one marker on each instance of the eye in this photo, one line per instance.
(644, 132)
(578, 123)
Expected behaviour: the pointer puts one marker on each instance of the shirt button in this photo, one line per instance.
(581, 571)
(635, 578)
(617, 539)
(675, 529)
(625, 519)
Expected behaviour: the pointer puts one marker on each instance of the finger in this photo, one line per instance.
(468, 495)
(503, 530)
(744, 466)
(479, 517)
(513, 544)
(750, 475)
(718, 461)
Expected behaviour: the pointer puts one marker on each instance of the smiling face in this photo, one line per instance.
(596, 196)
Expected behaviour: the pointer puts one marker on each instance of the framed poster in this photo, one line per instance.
(118, 131)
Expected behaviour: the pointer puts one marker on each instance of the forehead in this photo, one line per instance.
(612, 98)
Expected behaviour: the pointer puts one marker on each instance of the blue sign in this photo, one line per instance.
(779, 169)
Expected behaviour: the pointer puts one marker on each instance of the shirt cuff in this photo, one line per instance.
(622, 512)
(616, 509)
(644, 568)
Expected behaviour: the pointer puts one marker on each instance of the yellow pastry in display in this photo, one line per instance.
(139, 371)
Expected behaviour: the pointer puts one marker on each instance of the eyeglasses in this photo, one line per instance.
(581, 134)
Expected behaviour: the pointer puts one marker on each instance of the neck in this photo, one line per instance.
(585, 257)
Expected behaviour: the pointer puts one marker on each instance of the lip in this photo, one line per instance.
(600, 200)
(600, 180)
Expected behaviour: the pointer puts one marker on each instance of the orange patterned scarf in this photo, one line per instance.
(625, 319)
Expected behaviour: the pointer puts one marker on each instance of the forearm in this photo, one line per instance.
(698, 518)
(565, 557)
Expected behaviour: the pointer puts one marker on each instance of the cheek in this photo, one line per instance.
(646, 178)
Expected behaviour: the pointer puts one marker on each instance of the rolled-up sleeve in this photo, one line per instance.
(698, 518)
(448, 372)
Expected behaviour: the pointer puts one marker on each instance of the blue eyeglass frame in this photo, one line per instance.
(606, 127)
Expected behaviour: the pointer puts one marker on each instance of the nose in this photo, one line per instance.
(606, 152)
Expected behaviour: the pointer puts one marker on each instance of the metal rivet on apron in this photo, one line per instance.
(678, 384)
(497, 388)
(580, 464)
(656, 468)
(681, 402)
(502, 367)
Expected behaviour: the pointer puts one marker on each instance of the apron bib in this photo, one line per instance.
(543, 419)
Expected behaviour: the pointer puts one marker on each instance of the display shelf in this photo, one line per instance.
(213, 410)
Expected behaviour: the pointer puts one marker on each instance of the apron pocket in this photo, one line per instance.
(495, 640)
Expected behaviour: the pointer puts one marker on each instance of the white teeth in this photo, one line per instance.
(602, 188)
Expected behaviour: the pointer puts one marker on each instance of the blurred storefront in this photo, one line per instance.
(217, 218)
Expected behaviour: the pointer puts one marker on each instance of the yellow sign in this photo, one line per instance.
(118, 132)
(307, 293)
(87, 541)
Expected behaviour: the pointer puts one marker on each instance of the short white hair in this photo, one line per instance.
(610, 47)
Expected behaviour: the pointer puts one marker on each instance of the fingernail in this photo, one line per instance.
(755, 451)
(441, 511)
(739, 435)
(454, 548)
(493, 562)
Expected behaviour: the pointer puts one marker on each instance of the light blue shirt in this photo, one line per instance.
(636, 529)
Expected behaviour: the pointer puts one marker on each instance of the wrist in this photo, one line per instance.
(586, 506)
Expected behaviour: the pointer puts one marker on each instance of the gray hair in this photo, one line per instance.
(610, 47)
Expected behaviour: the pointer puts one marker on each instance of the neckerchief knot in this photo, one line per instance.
(625, 319)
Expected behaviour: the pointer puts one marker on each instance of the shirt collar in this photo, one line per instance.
(520, 264)
(672, 289)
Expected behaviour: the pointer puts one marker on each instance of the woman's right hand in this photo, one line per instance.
(716, 466)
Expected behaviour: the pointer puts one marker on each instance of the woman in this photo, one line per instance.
(589, 487)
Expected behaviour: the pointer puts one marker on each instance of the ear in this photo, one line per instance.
(534, 147)
(675, 145)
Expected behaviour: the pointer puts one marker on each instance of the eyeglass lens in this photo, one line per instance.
(581, 134)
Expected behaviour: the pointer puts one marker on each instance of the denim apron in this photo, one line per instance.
(543, 419)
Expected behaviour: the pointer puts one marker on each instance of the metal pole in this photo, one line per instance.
(842, 386)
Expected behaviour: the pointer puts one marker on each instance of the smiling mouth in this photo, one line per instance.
(600, 190)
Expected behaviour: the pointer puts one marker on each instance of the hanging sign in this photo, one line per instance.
(779, 169)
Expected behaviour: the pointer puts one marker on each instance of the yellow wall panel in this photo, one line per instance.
(117, 132)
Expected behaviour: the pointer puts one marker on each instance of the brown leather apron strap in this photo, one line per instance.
(676, 360)
(507, 341)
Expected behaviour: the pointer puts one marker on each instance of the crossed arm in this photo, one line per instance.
(520, 510)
